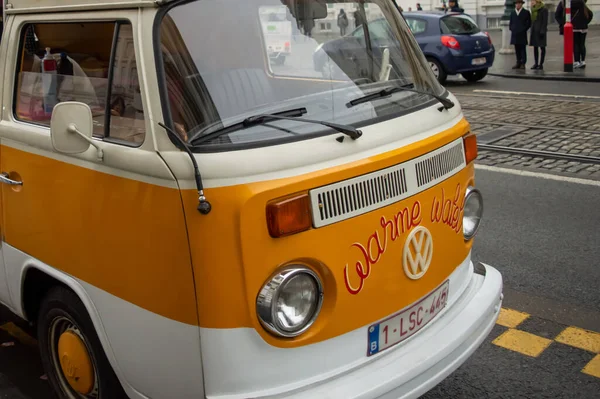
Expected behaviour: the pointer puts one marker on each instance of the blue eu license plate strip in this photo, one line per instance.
(407, 322)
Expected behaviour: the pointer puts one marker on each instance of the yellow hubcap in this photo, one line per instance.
(75, 362)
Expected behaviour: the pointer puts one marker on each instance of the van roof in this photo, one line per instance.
(39, 6)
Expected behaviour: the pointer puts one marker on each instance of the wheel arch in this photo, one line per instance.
(435, 57)
(47, 277)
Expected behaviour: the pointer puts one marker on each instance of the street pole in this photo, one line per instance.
(568, 41)
(509, 5)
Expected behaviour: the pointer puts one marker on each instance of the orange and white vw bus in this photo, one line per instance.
(184, 216)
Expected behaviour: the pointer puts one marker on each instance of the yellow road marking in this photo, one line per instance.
(522, 342)
(593, 367)
(580, 338)
(19, 334)
(511, 318)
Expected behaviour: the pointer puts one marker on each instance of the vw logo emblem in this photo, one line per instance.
(418, 252)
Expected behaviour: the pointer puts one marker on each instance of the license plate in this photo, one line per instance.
(408, 322)
(478, 61)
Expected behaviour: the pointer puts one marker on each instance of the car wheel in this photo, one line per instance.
(475, 76)
(437, 69)
(71, 353)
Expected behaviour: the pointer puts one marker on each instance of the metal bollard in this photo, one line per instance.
(568, 35)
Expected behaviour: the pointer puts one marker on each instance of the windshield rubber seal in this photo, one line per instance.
(215, 148)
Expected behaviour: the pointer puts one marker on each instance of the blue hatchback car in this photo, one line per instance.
(452, 43)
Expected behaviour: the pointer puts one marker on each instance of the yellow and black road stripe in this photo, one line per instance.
(533, 345)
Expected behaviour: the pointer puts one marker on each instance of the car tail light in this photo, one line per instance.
(489, 37)
(450, 42)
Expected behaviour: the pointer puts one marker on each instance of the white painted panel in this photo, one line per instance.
(307, 156)
(63, 5)
(238, 363)
(153, 356)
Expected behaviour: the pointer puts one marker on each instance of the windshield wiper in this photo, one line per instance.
(388, 91)
(263, 119)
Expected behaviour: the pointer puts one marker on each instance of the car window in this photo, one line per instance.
(458, 25)
(72, 62)
(378, 30)
(417, 26)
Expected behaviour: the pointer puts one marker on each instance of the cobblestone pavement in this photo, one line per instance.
(556, 125)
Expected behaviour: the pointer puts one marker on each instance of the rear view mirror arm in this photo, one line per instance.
(72, 128)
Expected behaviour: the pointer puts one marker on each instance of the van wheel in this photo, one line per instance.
(71, 352)
(437, 69)
(475, 76)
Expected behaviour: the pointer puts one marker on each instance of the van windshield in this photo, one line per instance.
(222, 62)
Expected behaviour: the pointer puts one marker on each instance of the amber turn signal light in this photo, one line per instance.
(470, 142)
(288, 215)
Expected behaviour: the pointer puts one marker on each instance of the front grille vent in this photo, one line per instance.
(362, 194)
(439, 165)
(351, 198)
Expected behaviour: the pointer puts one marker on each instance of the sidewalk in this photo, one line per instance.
(554, 65)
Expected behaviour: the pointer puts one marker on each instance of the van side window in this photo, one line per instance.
(72, 62)
(126, 112)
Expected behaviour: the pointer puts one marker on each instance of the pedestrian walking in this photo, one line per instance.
(520, 22)
(419, 8)
(342, 22)
(539, 29)
(582, 16)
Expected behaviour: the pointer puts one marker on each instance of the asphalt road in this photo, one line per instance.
(543, 237)
(458, 85)
(540, 232)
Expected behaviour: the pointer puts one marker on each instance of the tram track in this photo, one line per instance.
(491, 144)
(509, 110)
(521, 125)
(547, 133)
(540, 153)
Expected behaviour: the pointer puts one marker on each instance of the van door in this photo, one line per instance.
(4, 292)
(114, 224)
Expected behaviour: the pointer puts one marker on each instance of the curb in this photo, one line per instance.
(547, 77)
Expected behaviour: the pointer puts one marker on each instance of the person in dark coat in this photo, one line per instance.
(453, 7)
(342, 22)
(581, 17)
(359, 20)
(539, 28)
(559, 16)
(520, 22)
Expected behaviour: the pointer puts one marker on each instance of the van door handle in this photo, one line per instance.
(4, 179)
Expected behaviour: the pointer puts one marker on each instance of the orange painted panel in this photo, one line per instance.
(237, 254)
(123, 236)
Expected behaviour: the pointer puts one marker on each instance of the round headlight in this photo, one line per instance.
(289, 303)
(472, 212)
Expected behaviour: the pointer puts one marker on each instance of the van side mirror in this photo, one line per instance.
(71, 128)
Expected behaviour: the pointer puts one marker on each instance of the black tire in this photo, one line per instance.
(441, 74)
(475, 76)
(62, 306)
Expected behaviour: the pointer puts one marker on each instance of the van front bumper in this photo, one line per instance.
(426, 359)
